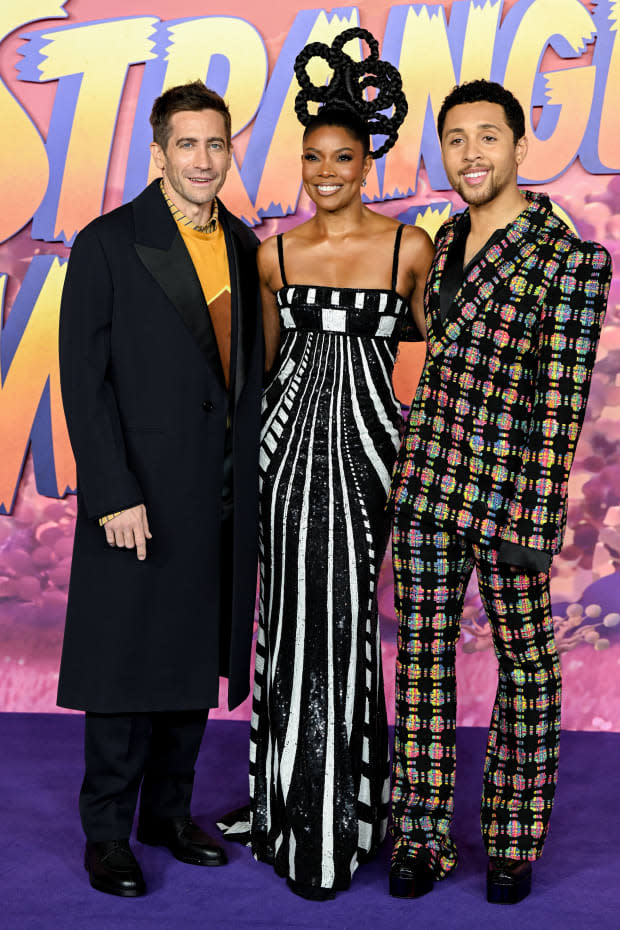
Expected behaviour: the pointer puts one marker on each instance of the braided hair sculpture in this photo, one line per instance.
(342, 101)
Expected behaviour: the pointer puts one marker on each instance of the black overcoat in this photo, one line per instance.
(146, 407)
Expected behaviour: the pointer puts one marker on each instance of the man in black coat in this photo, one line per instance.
(161, 360)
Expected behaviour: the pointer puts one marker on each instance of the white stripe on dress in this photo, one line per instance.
(289, 750)
(367, 443)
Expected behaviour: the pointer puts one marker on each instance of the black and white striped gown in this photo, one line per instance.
(319, 762)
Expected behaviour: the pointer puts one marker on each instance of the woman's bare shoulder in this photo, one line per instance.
(417, 242)
(267, 262)
(268, 246)
(267, 253)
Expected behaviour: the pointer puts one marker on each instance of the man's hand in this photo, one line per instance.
(130, 528)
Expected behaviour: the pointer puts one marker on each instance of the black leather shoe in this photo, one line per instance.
(508, 881)
(112, 867)
(411, 875)
(311, 892)
(186, 840)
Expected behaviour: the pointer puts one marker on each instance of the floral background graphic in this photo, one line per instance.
(36, 541)
(36, 538)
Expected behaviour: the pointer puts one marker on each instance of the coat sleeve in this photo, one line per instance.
(104, 479)
(569, 335)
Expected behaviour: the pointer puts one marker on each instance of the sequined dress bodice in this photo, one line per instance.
(372, 313)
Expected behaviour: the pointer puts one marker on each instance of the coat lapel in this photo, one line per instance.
(243, 295)
(238, 327)
(161, 250)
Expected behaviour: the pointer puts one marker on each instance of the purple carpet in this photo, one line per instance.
(43, 884)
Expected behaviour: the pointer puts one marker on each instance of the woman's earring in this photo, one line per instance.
(364, 183)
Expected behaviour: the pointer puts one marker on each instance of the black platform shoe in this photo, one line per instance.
(113, 868)
(185, 839)
(311, 892)
(508, 881)
(411, 875)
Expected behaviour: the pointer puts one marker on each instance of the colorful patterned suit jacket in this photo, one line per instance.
(495, 420)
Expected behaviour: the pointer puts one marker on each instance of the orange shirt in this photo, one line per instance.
(207, 249)
(208, 253)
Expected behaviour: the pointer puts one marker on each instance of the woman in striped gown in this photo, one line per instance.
(338, 292)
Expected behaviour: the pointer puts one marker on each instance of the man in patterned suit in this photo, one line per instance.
(514, 308)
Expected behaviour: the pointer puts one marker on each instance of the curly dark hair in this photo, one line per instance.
(342, 101)
(490, 92)
(194, 96)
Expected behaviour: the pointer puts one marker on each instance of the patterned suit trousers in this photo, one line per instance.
(431, 570)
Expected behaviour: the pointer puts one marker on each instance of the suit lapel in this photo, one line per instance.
(484, 281)
(161, 250)
(434, 325)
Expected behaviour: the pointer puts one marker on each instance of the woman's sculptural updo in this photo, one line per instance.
(342, 102)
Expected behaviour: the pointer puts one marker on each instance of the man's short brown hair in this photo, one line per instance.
(192, 96)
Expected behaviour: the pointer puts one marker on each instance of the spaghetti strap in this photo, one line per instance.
(281, 259)
(399, 235)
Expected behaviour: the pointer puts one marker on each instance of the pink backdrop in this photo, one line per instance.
(76, 83)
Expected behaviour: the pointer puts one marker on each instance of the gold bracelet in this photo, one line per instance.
(110, 516)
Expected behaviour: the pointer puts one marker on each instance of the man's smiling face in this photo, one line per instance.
(195, 161)
(479, 152)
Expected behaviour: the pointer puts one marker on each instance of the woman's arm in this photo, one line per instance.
(269, 283)
(416, 256)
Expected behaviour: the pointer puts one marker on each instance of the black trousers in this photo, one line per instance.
(124, 752)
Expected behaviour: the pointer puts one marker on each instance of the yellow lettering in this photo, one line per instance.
(24, 170)
(428, 75)
(571, 89)
(101, 52)
(608, 147)
(34, 362)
